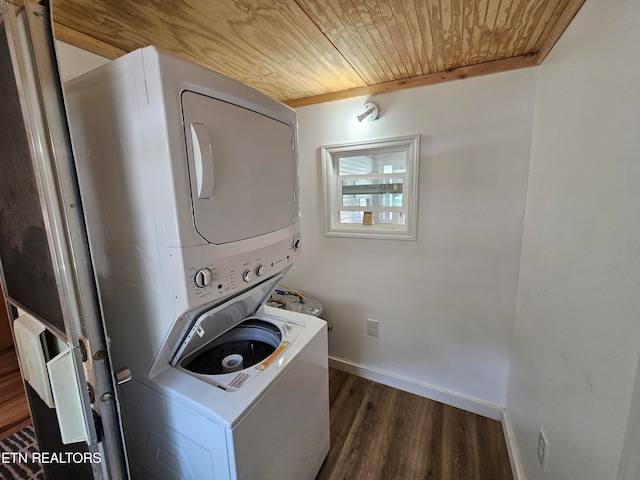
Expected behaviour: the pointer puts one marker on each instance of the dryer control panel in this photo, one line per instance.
(209, 279)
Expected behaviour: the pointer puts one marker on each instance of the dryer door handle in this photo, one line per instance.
(202, 160)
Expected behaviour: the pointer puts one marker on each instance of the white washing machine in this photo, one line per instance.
(189, 184)
(253, 400)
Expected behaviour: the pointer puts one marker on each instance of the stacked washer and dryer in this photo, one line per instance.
(189, 184)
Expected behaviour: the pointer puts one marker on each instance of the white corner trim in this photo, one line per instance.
(469, 404)
(512, 447)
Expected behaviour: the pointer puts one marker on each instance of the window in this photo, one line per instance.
(371, 188)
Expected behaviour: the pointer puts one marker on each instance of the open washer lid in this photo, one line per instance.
(214, 322)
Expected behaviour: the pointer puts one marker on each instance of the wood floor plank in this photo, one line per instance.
(365, 450)
(491, 462)
(14, 413)
(380, 433)
(348, 393)
(8, 361)
(10, 430)
(337, 380)
(14, 409)
(460, 455)
(416, 451)
(10, 386)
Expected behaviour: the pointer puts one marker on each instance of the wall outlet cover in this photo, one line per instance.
(373, 328)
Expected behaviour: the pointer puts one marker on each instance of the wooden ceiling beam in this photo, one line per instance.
(86, 42)
(487, 68)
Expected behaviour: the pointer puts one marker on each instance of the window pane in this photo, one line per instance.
(389, 218)
(379, 218)
(388, 162)
(385, 192)
(351, 218)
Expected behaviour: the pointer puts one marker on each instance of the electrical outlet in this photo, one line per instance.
(373, 328)
(543, 449)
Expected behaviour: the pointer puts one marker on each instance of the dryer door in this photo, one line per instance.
(242, 170)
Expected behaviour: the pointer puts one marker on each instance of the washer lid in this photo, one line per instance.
(213, 323)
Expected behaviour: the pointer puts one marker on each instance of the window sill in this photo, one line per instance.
(371, 232)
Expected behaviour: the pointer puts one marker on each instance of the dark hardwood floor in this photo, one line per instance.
(14, 410)
(380, 433)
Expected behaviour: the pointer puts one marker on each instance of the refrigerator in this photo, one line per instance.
(46, 273)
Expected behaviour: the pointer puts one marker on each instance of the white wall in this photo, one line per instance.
(74, 61)
(577, 329)
(446, 301)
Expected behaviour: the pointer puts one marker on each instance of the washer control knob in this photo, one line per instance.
(247, 276)
(202, 277)
(296, 243)
(260, 270)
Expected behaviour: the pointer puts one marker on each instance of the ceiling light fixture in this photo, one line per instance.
(371, 112)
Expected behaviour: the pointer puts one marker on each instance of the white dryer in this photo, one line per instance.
(189, 184)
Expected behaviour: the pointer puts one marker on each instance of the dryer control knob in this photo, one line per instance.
(202, 277)
(247, 276)
(296, 243)
(260, 270)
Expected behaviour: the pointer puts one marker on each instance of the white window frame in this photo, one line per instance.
(332, 188)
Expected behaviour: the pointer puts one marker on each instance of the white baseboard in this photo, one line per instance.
(512, 447)
(469, 404)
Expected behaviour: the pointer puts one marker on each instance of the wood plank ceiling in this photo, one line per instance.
(310, 51)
